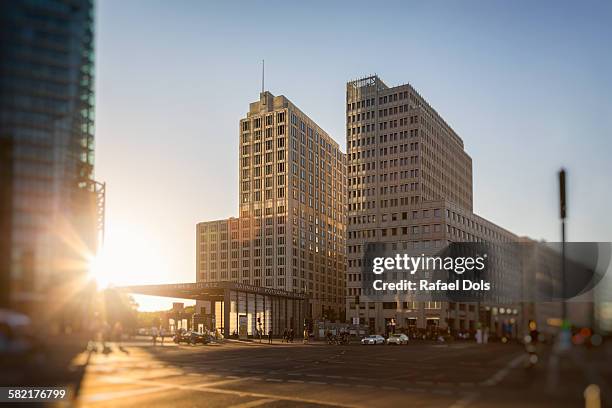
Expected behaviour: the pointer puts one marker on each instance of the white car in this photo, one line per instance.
(373, 339)
(397, 338)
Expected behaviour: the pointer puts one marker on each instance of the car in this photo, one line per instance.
(182, 336)
(397, 338)
(191, 337)
(195, 337)
(373, 339)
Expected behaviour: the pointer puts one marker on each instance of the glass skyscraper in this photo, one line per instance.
(50, 209)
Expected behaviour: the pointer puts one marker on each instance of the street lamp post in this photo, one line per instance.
(562, 214)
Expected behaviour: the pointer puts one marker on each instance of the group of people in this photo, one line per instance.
(157, 332)
(341, 338)
(288, 336)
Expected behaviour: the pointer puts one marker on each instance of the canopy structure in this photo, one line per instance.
(238, 308)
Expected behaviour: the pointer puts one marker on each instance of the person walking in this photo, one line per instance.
(154, 335)
(270, 337)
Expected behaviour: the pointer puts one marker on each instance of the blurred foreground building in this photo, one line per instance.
(51, 209)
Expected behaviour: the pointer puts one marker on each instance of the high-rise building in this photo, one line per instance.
(409, 188)
(50, 206)
(290, 233)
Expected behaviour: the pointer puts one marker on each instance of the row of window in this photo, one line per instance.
(398, 96)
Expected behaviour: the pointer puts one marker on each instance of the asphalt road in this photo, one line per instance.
(244, 375)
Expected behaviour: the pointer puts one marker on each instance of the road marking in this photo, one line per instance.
(238, 393)
(106, 396)
(296, 381)
(255, 403)
(273, 380)
(464, 401)
(317, 382)
(231, 380)
(503, 372)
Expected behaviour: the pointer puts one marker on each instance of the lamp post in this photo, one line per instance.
(565, 337)
(562, 214)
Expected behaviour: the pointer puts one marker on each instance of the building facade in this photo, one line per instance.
(51, 215)
(291, 229)
(410, 188)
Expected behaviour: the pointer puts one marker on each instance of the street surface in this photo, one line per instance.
(249, 374)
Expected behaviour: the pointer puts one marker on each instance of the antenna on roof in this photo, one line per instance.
(263, 72)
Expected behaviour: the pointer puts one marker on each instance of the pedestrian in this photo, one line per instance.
(270, 337)
(284, 335)
(291, 335)
(161, 334)
(154, 335)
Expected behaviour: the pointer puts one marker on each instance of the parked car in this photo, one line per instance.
(202, 338)
(144, 332)
(397, 338)
(182, 336)
(193, 337)
(373, 339)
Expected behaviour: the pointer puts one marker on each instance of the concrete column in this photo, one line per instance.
(226, 312)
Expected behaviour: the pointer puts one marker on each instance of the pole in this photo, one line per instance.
(563, 211)
(563, 284)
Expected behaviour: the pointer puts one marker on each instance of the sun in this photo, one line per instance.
(130, 256)
(100, 270)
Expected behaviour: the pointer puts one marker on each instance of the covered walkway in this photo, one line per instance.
(238, 308)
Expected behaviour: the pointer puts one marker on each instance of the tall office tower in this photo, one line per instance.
(290, 233)
(410, 188)
(50, 199)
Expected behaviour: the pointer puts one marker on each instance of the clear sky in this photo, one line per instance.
(527, 85)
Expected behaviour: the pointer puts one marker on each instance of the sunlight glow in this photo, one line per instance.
(131, 256)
